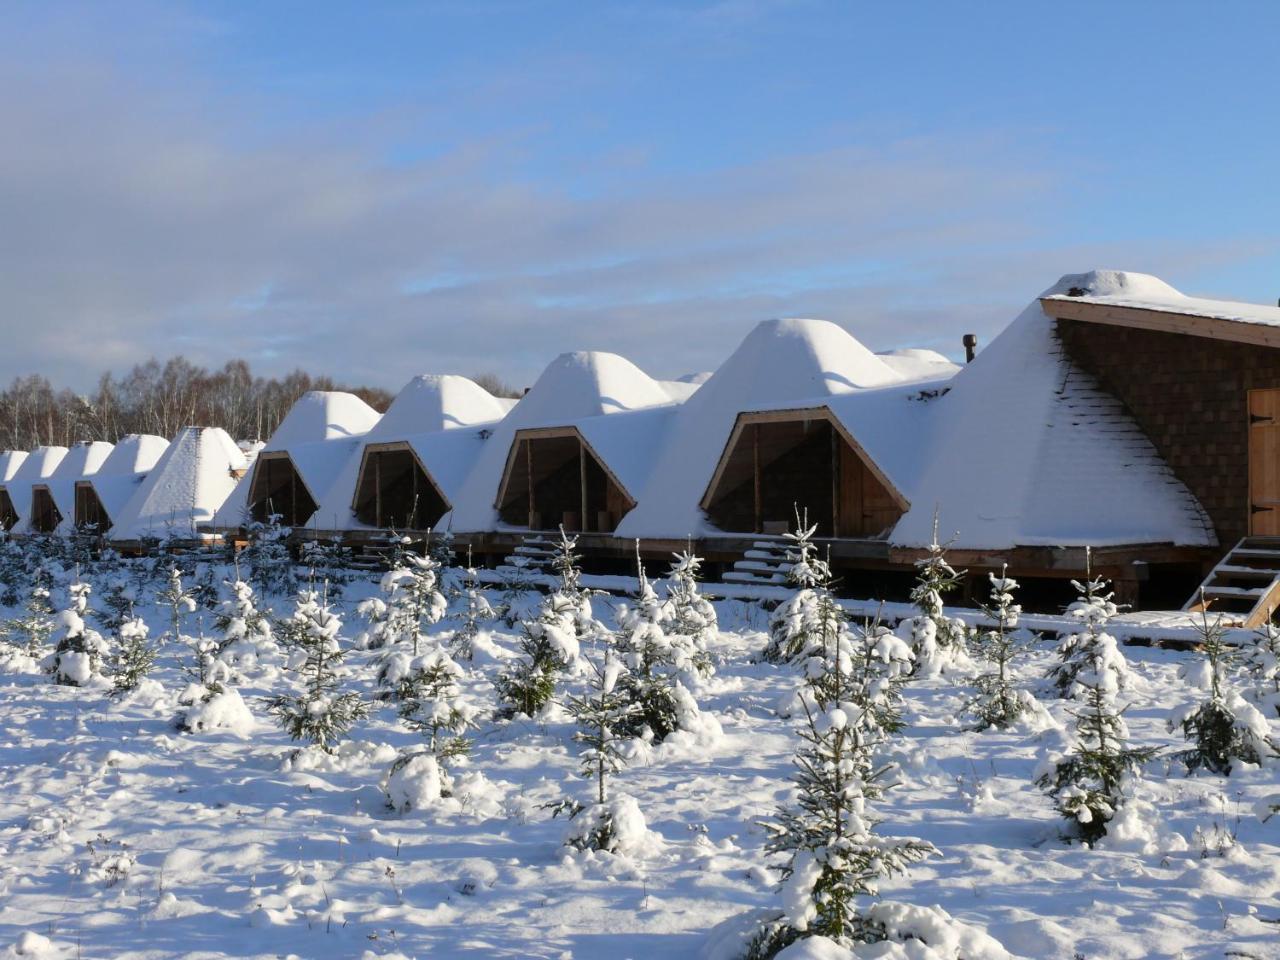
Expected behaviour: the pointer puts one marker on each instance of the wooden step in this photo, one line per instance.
(1254, 561)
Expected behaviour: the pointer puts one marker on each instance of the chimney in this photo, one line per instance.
(970, 346)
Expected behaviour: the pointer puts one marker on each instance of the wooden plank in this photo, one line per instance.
(1264, 462)
(1165, 321)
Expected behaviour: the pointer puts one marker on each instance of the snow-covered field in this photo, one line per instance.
(122, 836)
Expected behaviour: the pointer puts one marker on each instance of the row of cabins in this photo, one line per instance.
(1114, 413)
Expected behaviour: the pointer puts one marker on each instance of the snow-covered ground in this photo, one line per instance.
(121, 836)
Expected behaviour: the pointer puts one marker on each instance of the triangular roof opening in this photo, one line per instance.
(554, 478)
(781, 461)
(90, 513)
(278, 490)
(8, 516)
(45, 515)
(394, 491)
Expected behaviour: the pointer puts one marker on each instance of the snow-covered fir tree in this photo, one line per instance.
(268, 559)
(414, 601)
(548, 646)
(14, 570)
(245, 628)
(1262, 660)
(518, 595)
(132, 656)
(601, 713)
(686, 613)
(1091, 781)
(32, 630)
(566, 565)
(318, 714)
(938, 641)
(998, 702)
(79, 650)
(327, 561)
(116, 601)
(431, 703)
(794, 629)
(834, 859)
(1223, 728)
(178, 600)
(655, 663)
(473, 610)
(1090, 647)
(876, 662)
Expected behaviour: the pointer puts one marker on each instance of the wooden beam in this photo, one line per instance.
(755, 477)
(582, 485)
(1163, 321)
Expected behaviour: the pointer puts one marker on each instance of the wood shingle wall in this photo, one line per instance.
(1190, 396)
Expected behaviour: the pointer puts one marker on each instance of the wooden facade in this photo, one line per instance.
(45, 515)
(1192, 394)
(8, 515)
(278, 490)
(394, 491)
(553, 478)
(777, 461)
(90, 513)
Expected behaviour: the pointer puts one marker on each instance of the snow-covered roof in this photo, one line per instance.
(120, 475)
(189, 482)
(37, 467)
(574, 387)
(81, 462)
(447, 455)
(434, 402)
(914, 363)
(1144, 292)
(318, 433)
(1027, 450)
(322, 415)
(10, 461)
(781, 364)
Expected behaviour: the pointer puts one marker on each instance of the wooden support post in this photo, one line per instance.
(755, 474)
(582, 485)
(835, 482)
(413, 493)
(377, 490)
(528, 467)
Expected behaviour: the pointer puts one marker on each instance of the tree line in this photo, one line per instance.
(162, 398)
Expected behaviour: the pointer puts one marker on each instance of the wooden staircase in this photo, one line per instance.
(1245, 585)
(764, 563)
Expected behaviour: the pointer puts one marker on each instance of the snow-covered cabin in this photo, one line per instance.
(405, 473)
(301, 460)
(182, 491)
(569, 451)
(10, 461)
(36, 468)
(800, 414)
(53, 499)
(101, 496)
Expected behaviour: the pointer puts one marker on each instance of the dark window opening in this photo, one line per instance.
(45, 515)
(776, 466)
(90, 513)
(555, 481)
(278, 490)
(395, 493)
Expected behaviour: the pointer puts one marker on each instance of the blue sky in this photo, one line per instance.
(378, 190)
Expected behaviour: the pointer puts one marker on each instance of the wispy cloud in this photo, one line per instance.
(146, 213)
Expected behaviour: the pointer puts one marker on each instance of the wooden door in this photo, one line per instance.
(1264, 463)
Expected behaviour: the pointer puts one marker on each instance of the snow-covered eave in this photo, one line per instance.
(1211, 319)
